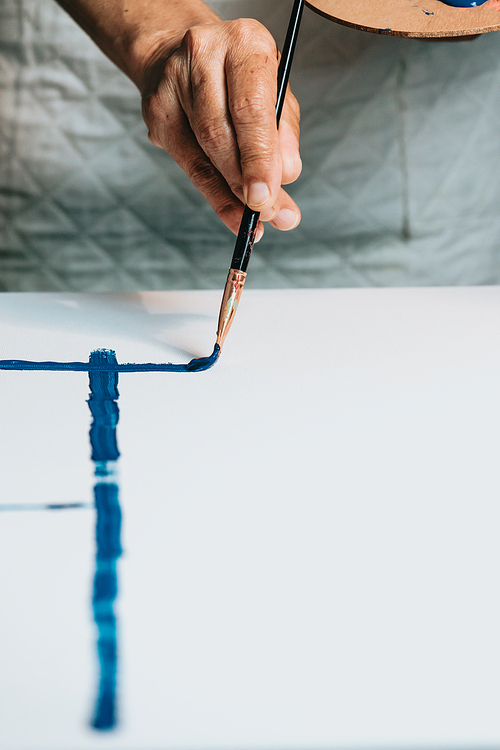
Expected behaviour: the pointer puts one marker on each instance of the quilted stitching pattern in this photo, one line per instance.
(400, 183)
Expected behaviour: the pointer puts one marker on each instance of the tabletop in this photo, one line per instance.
(295, 549)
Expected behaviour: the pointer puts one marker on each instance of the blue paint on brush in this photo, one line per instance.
(106, 365)
(104, 408)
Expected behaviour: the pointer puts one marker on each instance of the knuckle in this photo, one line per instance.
(202, 173)
(252, 47)
(214, 135)
(190, 39)
(195, 39)
(248, 29)
(235, 185)
(263, 158)
(174, 70)
(225, 211)
(249, 111)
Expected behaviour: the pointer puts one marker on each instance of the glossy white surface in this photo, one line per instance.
(310, 528)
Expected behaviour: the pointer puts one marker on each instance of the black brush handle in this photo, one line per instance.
(248, 226)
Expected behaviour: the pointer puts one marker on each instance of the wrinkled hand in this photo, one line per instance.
(211, 105)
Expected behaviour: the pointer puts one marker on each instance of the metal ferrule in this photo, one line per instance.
(232, 293)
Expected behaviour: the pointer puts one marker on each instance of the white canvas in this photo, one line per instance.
(310, 529)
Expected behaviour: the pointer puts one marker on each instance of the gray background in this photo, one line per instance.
(400, 183)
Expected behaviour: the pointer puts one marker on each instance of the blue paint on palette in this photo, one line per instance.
(104, 409)
(464, 3)
(200, 364)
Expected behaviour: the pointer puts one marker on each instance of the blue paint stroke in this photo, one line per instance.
(103, 381)
(43, 506)
(200, 364)
(104, 408)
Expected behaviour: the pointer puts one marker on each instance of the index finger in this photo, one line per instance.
(251, 75)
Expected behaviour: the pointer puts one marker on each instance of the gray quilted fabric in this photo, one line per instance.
(401, 163)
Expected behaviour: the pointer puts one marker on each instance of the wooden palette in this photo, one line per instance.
(416, 18)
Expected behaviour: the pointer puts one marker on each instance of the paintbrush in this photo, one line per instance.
(246, 235)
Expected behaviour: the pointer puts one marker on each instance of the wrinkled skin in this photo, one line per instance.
(210, 103)
(208, 90)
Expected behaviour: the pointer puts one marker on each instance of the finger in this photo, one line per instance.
(203, 97)
(177, 138)
(207, 111)
(251, 75)
(284, 215)
(290, 155)
(169, 129)
(289, 132)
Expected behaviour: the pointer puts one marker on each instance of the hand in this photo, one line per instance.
(210, 104)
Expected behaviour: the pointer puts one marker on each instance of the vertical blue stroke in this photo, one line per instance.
(104, 408)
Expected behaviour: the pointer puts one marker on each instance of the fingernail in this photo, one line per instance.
(258, 194)
(286, 219)
(258, 235)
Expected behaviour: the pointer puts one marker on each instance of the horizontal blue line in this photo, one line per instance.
(44, 506)
(195, 365)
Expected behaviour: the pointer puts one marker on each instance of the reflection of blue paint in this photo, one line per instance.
(195, 365)
(104, 408)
